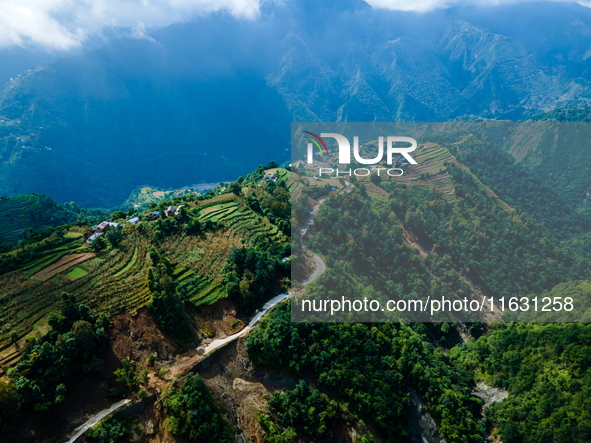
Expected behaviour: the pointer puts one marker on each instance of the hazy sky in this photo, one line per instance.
(63, 24)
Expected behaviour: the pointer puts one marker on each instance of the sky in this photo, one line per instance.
(66, 24)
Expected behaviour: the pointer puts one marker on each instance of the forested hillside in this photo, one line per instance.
(453, 226)
(21, 214)
(468, 242)
(93, 127)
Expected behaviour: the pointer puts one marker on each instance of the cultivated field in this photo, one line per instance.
(62, 265)
(110, 284)
(15, 216)
(116, 278)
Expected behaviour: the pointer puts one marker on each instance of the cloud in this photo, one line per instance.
(430, 5)
(139, 32)
(63, 24)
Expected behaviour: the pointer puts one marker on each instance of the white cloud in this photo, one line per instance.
(430, 5)
(62, 24)
(405, 5)
(139, 32)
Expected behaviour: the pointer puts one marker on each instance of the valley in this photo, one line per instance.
(143, 301)
(207, 315)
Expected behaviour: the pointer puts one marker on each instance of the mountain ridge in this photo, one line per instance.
(170, 108)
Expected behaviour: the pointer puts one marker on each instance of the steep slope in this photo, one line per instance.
(20, 213)
(170, 109)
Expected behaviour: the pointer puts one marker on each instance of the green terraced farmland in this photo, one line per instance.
(76, 273)
(250, 223)
(113, 281)
(17, 215)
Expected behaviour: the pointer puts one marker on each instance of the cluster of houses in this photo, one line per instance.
(100, 229)
(272, 177)
(169, 212)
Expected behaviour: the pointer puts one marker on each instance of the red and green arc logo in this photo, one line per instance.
(316, 142)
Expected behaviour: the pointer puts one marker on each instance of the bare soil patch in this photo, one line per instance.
(209, 210)
(62, 265)
(370, 187)
(215, 321)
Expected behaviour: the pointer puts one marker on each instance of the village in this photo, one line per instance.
(102, 227)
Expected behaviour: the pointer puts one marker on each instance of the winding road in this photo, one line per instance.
(320, 268)
(95, 419)
(216, 344)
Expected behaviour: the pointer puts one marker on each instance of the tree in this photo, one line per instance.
(376, 179)
(97, 244)
(166, 305)
(235, 188)
(192, 412)
(84, 336)
(117, 215)
(126, 375)
(193, 226)
(107, 431)
(114, 236)
(183, 215)
(9, 408)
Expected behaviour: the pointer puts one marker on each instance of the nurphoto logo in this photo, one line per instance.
(393, 152)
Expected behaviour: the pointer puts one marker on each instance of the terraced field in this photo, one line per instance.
(15, 216)
(218, 211)
(114, 281)
(61, 265)
(252, 225)
(200, 261)
(116, 278)
(431, 171)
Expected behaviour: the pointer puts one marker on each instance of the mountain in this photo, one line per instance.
(74, 318)
(211, 99)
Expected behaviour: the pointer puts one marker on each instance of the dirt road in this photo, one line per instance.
(320, 268)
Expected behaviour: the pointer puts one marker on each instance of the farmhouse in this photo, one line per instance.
(93, 237)
(104, 225)
(169, 211)
(134, 221)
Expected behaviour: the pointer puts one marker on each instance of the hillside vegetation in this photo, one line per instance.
(196, 247)
(22, 213)
(478, 230)
(94, 145)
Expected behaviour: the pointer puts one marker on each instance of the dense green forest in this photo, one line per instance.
(535, 248)
(74, 347)
(501, 252)
(545, 368)
(564, 115)
(368, 369)
(521, 188)
(192, 412)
